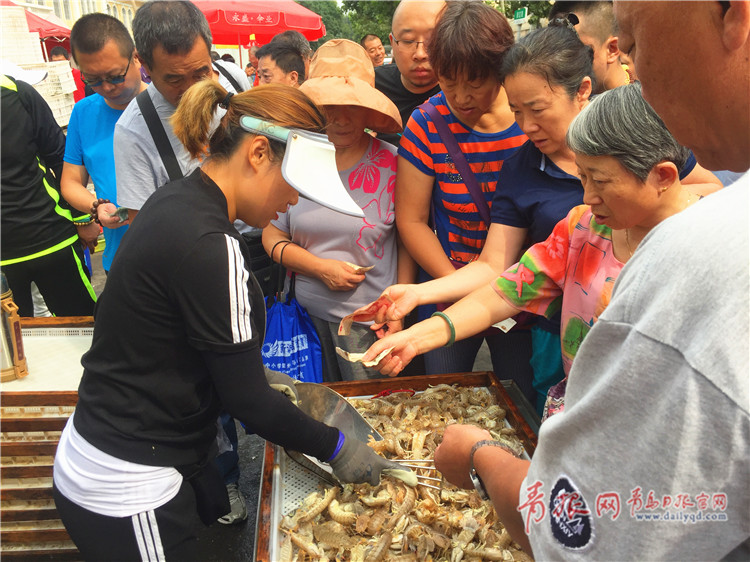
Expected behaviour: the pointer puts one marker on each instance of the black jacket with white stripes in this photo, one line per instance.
(177, 337)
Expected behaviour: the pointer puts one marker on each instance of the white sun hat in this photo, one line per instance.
(309, 165)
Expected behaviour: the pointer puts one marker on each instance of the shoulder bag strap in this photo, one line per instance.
(281, 275)
(159, 135)
(232, 80)
(451, 145)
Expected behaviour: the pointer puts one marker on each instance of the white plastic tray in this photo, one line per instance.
(53, 357)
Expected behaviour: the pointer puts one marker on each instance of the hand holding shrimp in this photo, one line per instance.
(472, 314)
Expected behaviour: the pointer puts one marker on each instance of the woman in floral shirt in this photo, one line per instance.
(629, 167)
(344, 262)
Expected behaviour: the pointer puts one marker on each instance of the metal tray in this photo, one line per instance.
(284, 484)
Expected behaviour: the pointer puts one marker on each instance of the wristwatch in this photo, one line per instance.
(475, 479)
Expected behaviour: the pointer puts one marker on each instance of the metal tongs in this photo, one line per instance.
(328, 406)
(419, 466)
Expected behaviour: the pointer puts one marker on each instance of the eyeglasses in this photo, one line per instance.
(114, 80)
(409, 44)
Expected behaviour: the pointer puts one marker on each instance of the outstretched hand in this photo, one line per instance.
(104, 212)
(404, 350)
(403, 299)
(387, 328)
(452, 455)
(386, 314)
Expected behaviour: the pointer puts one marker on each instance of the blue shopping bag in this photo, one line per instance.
(291, 345)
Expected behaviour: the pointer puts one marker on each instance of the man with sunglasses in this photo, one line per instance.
(411, 81)
(105, 54)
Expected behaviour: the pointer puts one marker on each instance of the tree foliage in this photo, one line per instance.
(352, 19)
(370, 16)
(538, 9)
(337, 23)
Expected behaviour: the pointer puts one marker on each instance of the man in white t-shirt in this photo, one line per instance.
(173, 42)
(649, 461)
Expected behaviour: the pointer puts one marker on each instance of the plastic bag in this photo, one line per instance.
(291, 345)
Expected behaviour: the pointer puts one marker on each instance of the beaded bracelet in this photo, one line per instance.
(452, 328)
(94, 213)
(83, 222)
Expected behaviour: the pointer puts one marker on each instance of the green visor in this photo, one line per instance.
(309, 165)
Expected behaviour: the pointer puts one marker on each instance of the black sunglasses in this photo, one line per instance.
(114, 80)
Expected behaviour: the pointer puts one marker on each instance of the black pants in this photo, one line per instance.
(165, 533)
(62, 279)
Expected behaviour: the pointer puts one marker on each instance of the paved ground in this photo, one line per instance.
(228, 543)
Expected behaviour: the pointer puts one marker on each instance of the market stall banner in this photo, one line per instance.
(232, 22)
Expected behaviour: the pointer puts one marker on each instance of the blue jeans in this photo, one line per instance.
(228, 462)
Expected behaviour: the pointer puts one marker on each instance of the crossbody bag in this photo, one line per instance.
(472, 186)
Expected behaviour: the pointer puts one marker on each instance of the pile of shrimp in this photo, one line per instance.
(392, 522)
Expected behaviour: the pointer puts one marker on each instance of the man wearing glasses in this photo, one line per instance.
(411, 81)
(105, 54)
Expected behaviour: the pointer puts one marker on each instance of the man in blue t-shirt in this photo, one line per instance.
(104, 52)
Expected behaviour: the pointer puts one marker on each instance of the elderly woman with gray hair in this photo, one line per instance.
(629, 167)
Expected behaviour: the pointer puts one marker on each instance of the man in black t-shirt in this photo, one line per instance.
(410, 81)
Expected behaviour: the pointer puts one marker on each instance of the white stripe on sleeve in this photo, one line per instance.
(239, 297)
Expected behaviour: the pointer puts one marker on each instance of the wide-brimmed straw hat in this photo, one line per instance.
(341, 73)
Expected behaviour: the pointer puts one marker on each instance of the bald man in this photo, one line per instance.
(410, 81)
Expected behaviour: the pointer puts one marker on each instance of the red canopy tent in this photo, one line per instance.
(51, 33)
(232, 22)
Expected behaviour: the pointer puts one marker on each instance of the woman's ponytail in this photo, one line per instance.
(191, 122)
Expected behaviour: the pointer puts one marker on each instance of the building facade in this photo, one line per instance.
(68, 11)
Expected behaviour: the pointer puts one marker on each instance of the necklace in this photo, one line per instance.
(627, 241)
